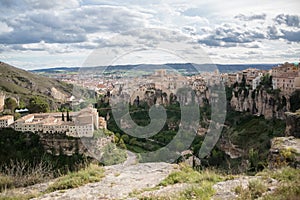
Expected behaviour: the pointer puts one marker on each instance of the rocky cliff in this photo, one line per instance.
(64, 145)
(260, 102)
(58, 145)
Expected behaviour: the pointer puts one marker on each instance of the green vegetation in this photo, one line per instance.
(25, 85)
(202, 182)
(38, 105)
(25, 162)
(288, 186)
(252, 134)
(187, 174)
(113, 155)
(90, 174)
(19, 196)
(255, 190)
(294, 100)
(10, 104)
(244, 130)
(266, 82)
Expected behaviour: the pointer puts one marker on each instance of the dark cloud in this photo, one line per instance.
(70, 26)
(24, 5)
(292, 36)
(250, 17)
(289, 20)
(275, 33)
(228, 36)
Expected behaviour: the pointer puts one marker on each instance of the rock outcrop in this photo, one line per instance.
(63, 146)
(293, 124)
(284, 151)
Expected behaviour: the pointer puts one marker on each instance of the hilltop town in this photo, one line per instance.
(162, 84)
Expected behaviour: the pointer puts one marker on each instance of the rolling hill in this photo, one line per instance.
(23, 85)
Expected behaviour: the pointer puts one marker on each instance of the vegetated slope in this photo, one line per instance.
(23, 84)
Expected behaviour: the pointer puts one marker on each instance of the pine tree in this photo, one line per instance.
(68, 116)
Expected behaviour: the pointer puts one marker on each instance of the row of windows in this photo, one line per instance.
(278, 80)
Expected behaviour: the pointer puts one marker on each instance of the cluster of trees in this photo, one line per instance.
(68, 118)
(36, 104)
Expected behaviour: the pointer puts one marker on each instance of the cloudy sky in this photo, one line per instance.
(41, 34)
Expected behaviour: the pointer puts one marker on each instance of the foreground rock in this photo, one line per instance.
(284, 151)
(118, 183)
(226, 190)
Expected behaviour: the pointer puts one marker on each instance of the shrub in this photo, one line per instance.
(255, 190)
(90, 174)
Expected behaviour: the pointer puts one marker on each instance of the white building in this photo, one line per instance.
(6, 121)
(256, 81)
(83, 123)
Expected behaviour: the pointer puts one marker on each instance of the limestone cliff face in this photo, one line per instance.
(63, 146)
(260, 102)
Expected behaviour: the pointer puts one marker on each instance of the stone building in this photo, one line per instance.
(83, 123)
(284, 76)
(6, 121)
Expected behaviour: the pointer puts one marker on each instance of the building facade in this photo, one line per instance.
(6, 121)
(83, 123)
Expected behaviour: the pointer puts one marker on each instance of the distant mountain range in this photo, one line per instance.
(183, 67)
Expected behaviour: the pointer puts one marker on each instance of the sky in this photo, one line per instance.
(42, 34)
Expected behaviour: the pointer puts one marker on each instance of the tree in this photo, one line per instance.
(266, 81)
(125, 138)
(62, 117)
(68, 116)
(243, 83)
(254, 159)
(294, 101)
(10, 104)
(38, 104)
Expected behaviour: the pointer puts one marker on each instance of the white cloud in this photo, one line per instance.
(4, 28)
(230, 32)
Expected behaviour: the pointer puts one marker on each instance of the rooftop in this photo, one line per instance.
(6, 117)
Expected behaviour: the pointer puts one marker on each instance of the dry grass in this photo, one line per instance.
(21, 174)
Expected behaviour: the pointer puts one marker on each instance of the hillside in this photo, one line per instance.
(23, 85)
